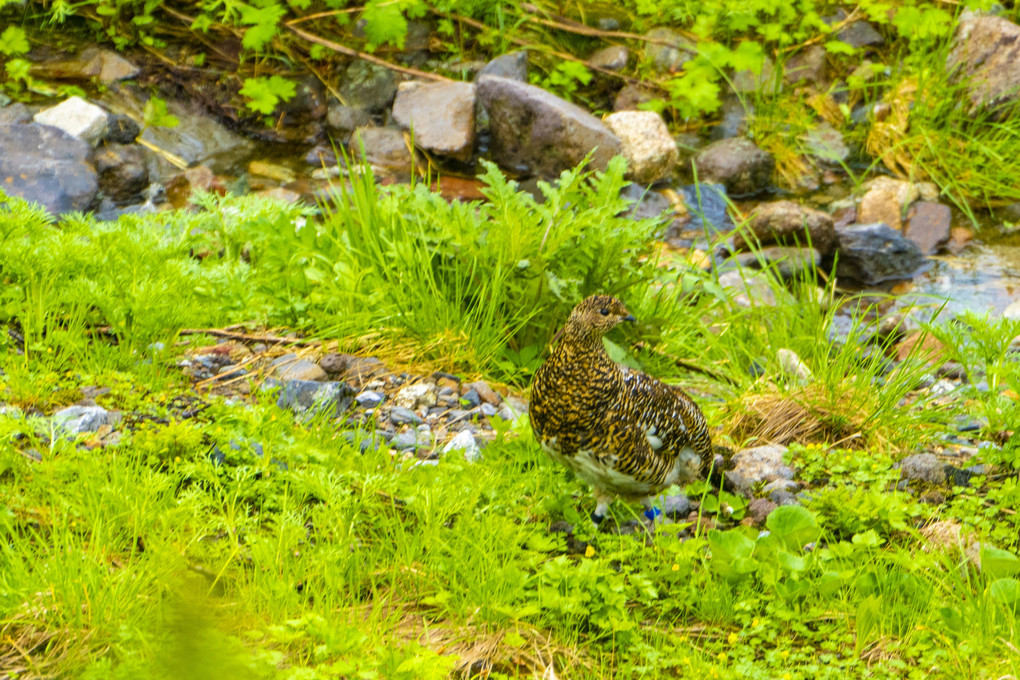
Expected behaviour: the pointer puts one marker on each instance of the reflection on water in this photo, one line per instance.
(983, 279)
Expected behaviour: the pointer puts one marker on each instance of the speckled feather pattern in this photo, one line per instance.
(635, 434)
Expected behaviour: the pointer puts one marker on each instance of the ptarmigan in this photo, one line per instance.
(624, 432)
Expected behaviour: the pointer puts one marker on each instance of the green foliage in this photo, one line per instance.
(13, 41)
(265, 93)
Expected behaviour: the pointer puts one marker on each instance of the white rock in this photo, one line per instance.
(1012, 312)
(416, 396)
(648, 147)
(76, 117)
(464, 441)
(747, 289)
(791, 365)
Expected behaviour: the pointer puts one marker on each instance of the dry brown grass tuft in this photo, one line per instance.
(808, 416)
(30, 649)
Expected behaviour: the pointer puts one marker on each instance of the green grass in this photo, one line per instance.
(144, 558)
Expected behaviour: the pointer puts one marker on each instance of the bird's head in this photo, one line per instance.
(598, 313)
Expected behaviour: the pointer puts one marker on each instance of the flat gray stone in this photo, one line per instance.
(533, 130)
(48, 166)
(986, 56)
(75, 420)
(311, 398)
(440, 116)
(874, 253)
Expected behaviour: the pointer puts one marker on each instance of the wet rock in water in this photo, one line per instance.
(759, 509)
(887, 199)
(123, 170)
(416, 396)
(290, 367)
(746, 81)
(757, 465)
(826, 144)
(647, 203)
(733, 116)
(646, 143)
(860, 34)
(737, 163)
(874, 253)
(748, 289)
(400, 415)
(383, 148)
(512, 65)
(440, 116)
(465, 442)
(986, 57)
(667, 50)
(808, 66)
(121, 129)
(75, 420)
(630, 96)
(46, 165)
(368, 86)
(313, 398)
(787, 261)
(789, 223)
(93, 62)
(928, 226)
(612, 58)
(76, 117)
(922, 467)
(791, 366)
(536, 131)
(707, 207)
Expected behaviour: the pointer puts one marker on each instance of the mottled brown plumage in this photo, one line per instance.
(626, 433)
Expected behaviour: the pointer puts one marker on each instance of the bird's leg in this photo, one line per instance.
(602, 501)
(651, 512)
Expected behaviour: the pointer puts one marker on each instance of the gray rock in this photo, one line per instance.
(986, 57)
(787, 261)
(748, 289)
(405, 440)
(512, 65)
(676, 506)
(369, 399)
(10, 411)
(123, 170)
(757, 465)
(345, 119)
(440, 116)
(488, 410)
(887, 199)
(808, 65)
(747, 81)
(738, 164)
(922, 467)
(612, 58)
(471, 398)
(646, 143)
(630, 96)
(404, 416)
(75, 420)
(48, 166)
(928, 225)
(789, 223)
(667, 49)
(121, 129)
(289, 367)
(308, 397)
(733, 116)
(368, 86)
(873, 253)
(383, 148)
(791, 366)
(825, 143)
(512, 409)
(416, 396)
(93, 62)
(759, 509)
(16, 113)
(464, 441)
(76, 117)
(860, 34)
(533, 130)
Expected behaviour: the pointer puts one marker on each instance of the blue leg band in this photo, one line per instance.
(652, 512)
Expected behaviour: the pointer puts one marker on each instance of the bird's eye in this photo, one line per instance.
(604, 312)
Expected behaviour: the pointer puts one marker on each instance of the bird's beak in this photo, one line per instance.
(629, 317)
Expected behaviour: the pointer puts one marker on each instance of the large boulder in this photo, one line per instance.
(46, 165)
(737, 163)
(441, 116)
(986, 54)
(789, 223)
(874, 253)
(533, 130)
